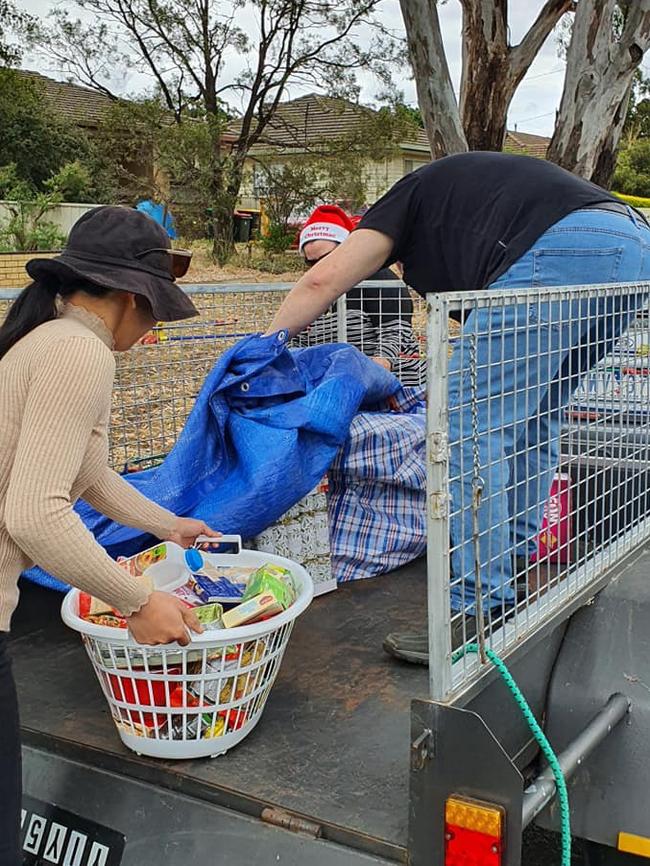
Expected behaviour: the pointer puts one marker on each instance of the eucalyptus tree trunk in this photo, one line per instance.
(600, 69)
(435, 91)
(493, 68)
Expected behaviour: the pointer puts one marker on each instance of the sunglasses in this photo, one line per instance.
(179, 260)
(309, 263)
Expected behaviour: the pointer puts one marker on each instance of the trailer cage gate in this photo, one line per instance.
(538, 490)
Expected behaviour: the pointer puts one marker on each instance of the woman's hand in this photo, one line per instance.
(186, 530)
(383, 362)
(163, 619)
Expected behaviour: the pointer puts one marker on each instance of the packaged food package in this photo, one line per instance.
(554, 542)
(140, 691)
(215, 589)
(209, 615)
(207, 725)
(219, 690)
(187, 595)
(138, 564)
(275, 579)
(99, 612)
(254, 609)
(115, 658)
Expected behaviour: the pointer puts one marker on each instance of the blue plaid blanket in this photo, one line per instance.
(377, 502)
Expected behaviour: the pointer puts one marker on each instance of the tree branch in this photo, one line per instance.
(522, 55)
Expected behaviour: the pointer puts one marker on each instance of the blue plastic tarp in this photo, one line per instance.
(160, 214)
(264, 429)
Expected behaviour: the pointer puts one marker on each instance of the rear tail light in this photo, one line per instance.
(473, 832)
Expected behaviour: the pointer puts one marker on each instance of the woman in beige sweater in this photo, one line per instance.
(113, 282)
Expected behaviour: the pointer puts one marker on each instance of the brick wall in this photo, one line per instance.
(12, 268)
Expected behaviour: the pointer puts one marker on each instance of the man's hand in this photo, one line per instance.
(186, 530)
(164, 619)
(383, 362)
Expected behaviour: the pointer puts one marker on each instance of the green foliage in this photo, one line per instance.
(632, 175)
(334, 170)
(71, 182)
(634, 200)
(277, 239)
(27, 227)
(32, 137)
(18, 30)
(410, 113)
(125, 144)
(143, 151)
(637, 119)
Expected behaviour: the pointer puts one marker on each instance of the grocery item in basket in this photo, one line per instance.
(219, 689)
(210, 726)
(187, 596)
(138, 564)
(134, 729)
(120, 658)
(217, 729)
(99, 612)
(275, 579)
(134, 690)
(255, 609)
(216, 589)
(209, 615)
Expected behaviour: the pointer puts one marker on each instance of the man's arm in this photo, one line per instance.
(358, 257)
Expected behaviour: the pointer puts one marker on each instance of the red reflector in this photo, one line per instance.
(470, 848)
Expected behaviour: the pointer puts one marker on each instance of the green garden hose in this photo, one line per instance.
(540, 736)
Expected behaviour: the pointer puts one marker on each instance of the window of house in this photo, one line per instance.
(411, 164)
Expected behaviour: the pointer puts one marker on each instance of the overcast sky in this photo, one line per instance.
(533, 107)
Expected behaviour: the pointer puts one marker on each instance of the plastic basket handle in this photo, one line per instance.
(221, 539)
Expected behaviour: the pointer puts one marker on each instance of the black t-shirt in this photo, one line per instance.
(459, 223)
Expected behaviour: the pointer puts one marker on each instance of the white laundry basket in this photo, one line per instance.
(194, 701)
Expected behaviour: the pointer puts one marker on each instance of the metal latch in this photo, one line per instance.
(422, 749)
(438, 447)
(439, 504)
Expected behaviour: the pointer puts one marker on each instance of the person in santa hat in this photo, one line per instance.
(378, 320)
(496, 221)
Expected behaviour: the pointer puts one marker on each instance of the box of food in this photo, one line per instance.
(259, 607)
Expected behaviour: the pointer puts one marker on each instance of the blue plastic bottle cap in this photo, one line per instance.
(194, 559)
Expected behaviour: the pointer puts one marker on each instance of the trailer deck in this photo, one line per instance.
(332, 745)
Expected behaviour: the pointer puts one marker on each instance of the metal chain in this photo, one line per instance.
(477, 492)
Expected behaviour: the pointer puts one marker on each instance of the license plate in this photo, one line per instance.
(51, 835)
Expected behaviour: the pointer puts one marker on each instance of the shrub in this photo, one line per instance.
(634, 200)
(277, 239)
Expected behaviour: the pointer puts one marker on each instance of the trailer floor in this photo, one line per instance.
(332, 745)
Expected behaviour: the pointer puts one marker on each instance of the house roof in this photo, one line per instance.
(309, 118)
(80, 105)
(315, 118)
(526, 143)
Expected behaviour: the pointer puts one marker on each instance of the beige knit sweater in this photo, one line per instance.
(55, 393)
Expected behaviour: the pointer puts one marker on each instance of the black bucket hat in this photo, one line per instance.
(123, 249)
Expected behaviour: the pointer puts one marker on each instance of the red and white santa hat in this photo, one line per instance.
(328, 222)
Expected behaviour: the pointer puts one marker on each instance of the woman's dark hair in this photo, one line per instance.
(36, 305)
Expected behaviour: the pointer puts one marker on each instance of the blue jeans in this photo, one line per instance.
(529, 360)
